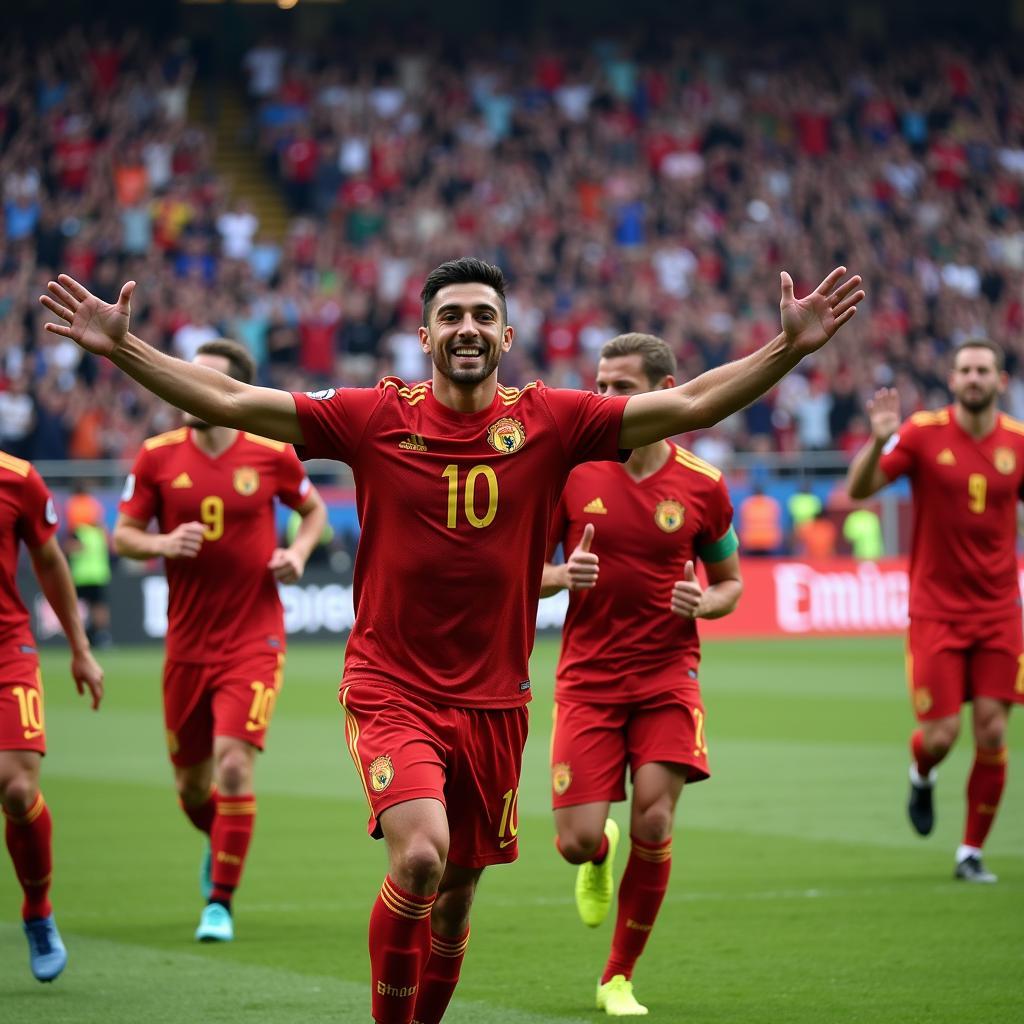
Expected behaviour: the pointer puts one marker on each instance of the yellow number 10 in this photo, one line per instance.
(451, 474)
(211, 511)
(977, 490)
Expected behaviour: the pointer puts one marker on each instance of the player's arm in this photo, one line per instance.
(51, 569)
(865, 476)
(719, 598)
(132, 540)
(288, 564)
(806, 325)
(578, 572)
(102, 328)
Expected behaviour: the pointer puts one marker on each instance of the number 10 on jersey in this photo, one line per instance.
(468, 491)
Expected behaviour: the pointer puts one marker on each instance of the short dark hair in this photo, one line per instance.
(982, 343)
(657, 359)
(241, 364)
(464, 270)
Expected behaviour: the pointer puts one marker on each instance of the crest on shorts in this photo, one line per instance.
(669, 515)
(381, 772)
(246, 481)
(172, 742)
(1005, 460)
(561, 777)
(922, 700)
(506, 435)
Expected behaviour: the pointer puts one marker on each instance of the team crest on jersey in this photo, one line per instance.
(922, 700)
(246, 481)
(381, 772)
(561, 777)
(1005, 460)
(669, 515)
(506, 435)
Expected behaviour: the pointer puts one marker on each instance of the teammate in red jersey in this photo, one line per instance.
(627, 690)
(966, 468)
(211, 490)
(456, 481)
(27, 515)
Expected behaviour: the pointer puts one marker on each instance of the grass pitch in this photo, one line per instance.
(798, 893)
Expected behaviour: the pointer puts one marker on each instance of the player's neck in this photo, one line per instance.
(464, 397)
(214, 440)
(977, 424)
(646, 461)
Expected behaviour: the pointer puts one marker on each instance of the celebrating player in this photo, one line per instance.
(211, 490)
(966, 468)
(456, 480)
(27, 514)
(627, 689)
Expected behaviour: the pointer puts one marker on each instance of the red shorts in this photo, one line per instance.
(949, 663)
(227, 699)
(469, 759)
(592, 743)
(22, 724)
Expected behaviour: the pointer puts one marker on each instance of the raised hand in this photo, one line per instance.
(88, 675)
(184, 541)
(97, 326)
(687, 594)
(884, 413)
(581, 567)
(286, 565)
(809, 322)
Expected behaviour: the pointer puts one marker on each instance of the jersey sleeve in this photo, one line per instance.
(717, 539)
(588, 425)
(37, 520)
(900, 452)
(333, 421)
(140, 498)
(293, 486)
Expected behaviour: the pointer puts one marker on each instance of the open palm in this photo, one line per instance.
(884, 413)
(809, 322)
(97, 326)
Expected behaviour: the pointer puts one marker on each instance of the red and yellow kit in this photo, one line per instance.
(965, 605)
(627, 687)
(27, 515)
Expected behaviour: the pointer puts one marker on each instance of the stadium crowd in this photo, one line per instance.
(622, 184)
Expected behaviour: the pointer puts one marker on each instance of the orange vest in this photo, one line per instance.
(760, 523)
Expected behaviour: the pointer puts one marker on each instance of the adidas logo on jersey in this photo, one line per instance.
(946, 458)
(413, 443)
(181, 480)
(596, 508)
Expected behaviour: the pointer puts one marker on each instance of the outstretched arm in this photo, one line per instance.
(865, 476)
(102, 328)
(806, 325)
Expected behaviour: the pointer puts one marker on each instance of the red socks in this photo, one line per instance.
(229, 843)
(439, 977)
(923, 760)
(201, 815)
(640, 894)
(29, 840)
(399, 948)
(984, 790)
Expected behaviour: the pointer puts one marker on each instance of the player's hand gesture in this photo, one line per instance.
(884, 413)
(184, 541)
(97, 326)
(687, 594)
(87, 674)
(286, 565)
(809, 322)
(581, 567)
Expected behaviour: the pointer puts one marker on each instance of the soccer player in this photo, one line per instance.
(966, 469)
(456, 480)
(27, 515)
(211, 490)
(627, 690)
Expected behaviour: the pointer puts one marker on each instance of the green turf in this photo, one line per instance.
(798, 894)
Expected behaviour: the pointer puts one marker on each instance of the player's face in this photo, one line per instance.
(622, 376)
(221, 365)
(976, 382)
(466, 336)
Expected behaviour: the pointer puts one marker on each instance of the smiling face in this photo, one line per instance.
(466, 333)
(976, 380)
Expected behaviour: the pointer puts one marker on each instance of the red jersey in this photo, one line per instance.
(455, 510)
(621, 636)
(223, 603)
(26, 514)
(963, 560)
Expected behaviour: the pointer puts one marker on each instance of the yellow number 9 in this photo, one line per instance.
(977, 491)
(211, 511)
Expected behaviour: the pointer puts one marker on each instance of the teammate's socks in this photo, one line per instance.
(399, 948)
(439, 977)
(229, 843)
(924, 760)
(202, 815)
(641, 891)
(984, 790)
(30, 842)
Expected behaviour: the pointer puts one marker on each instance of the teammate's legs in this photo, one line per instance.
(231, 831)
(580, 835)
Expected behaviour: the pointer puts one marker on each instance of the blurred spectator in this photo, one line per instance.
(760, 524)
(863, 531)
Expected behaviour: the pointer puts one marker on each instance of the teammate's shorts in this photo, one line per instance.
(407, 748)
(949, 663)
(592, 743)
(233, 699)
(22, 721)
